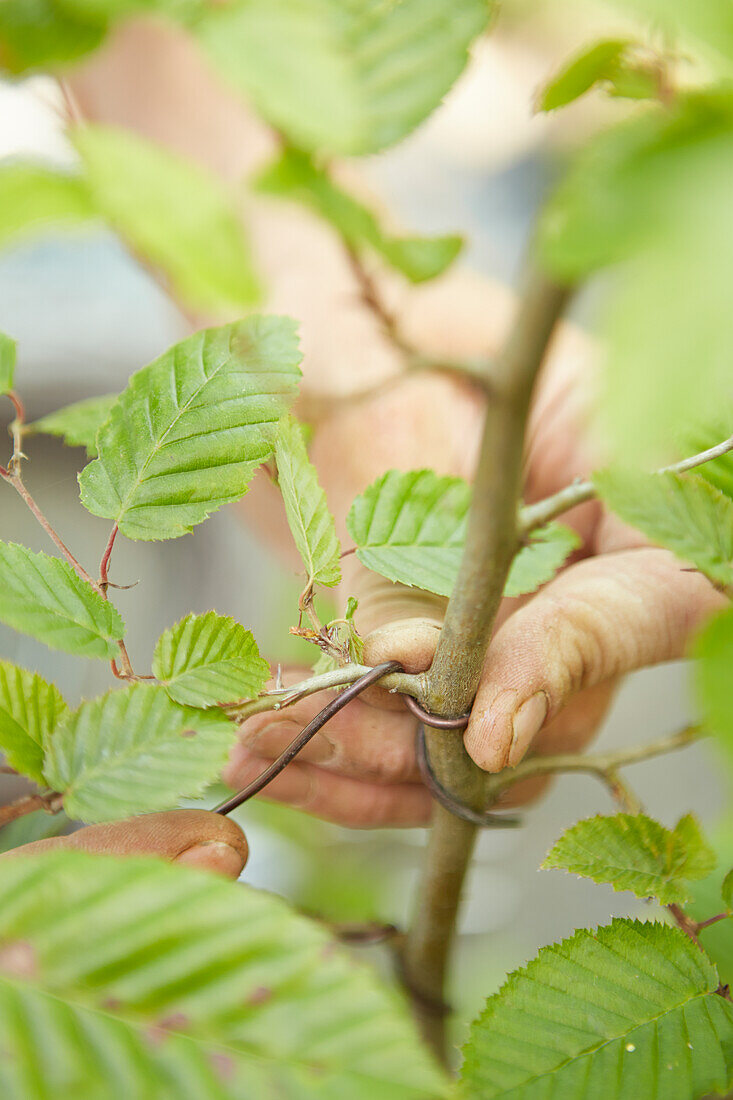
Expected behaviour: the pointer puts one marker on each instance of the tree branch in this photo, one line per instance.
(51, 802)
(605, 767)
(491, 543)
(537, 515)
(476, 371)
(601, 765)
(279, 698)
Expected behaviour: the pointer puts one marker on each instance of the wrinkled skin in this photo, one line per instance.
(556, 656)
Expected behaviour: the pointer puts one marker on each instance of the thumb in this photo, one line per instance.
(383, 603)
(599, 619)
(196, 838)
(397, 623)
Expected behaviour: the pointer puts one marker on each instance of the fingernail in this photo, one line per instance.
(214, 855)
(528, 722)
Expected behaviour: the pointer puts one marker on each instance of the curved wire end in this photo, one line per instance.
(446, 799)
(434, 720)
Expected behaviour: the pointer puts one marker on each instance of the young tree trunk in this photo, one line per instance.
(491, 543)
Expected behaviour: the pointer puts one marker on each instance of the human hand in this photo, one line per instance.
(195, 838)
(550, 670)
(555, 657)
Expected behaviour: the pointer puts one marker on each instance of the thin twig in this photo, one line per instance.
(605, 767)
(602, 765)
(279, 698)
(15, 480)
(477, 371)
(12, 474)
(51, 802)
(684, 922)
(372, 299)
(537, 515)
(363, 934)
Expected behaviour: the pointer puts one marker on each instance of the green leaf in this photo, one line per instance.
(714, 652)
(629, 186)
(174, 214)
(45, 598)
(134, 750)
(634, 80)
(295, 176)
(726, 890)
(346, 78)
(106, 12)
(594, 64)
(208, 659)
(709, 23)
(37, 34)
(77, 424)
(653, 194)
(681, 512)
(634, 852)
(626, 1010)
(306, 507)
(157, 981)
(538, 561)
(668, 310)
(35, 200)
(411, 528)
(697, 437)
(30, 710)
(49, 34)
(7, 362)
(188, 433)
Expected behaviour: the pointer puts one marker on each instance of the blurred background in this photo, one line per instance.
(85, 316)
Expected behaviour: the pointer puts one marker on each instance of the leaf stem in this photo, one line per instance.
(491, 543)
(104, 564)
(702, 924)
(16, 430)
(127, 673)
(537, 515)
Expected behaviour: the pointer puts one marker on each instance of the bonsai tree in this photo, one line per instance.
(137, 978)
